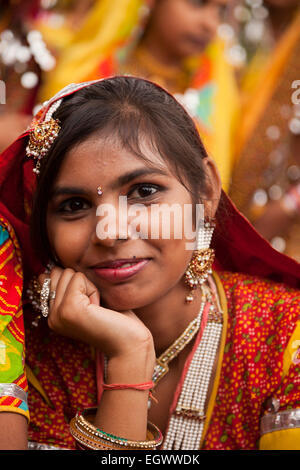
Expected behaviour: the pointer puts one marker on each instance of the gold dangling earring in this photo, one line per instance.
(202, 260)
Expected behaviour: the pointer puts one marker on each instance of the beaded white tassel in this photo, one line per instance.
(201, 263)
(52, 110)
(187, 422)
(204, 236)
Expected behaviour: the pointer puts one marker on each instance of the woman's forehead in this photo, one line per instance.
(109, 156)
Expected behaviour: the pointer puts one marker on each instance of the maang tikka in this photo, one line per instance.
(42, 136)
(202, 260)
(44, 128)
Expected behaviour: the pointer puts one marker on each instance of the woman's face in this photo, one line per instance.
(185, 27)
(132, 269)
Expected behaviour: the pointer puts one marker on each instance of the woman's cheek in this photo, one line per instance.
(68, 242)
(174, 259)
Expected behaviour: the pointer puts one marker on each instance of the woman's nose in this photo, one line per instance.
(111, 225)
(209, 19)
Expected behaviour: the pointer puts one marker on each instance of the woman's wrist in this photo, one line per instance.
(136, 366)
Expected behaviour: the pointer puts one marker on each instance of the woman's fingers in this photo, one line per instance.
(75, 311)
(60, 279)
(68, 288)
(79, 294)
(80, 284)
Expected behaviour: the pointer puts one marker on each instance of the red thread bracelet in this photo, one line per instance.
(142, 386)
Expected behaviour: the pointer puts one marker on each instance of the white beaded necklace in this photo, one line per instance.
(187, 421)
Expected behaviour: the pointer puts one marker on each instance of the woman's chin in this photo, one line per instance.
(129, 301)
(118, 304)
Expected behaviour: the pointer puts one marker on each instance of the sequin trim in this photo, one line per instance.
(287, 419)
(38, 446)
(13, 390)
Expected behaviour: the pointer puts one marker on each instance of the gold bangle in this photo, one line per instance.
(90, 436)
(86, 441)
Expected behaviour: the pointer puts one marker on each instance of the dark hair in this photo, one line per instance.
(124, 108)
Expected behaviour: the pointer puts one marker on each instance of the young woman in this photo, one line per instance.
(137, 330)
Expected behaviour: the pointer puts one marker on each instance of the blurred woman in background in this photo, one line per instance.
(171, 42)
(266, 178)
(32, 35)
(19, 72)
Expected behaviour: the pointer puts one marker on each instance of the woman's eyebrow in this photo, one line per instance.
(122, 180)
(127, 177)
(67, 190)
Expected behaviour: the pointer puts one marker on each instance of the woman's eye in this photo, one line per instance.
(73, 205)
(144, 190)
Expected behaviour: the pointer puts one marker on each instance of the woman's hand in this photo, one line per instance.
(122, 337)
(76, 312)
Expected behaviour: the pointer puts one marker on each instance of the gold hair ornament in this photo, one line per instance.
(42, 136)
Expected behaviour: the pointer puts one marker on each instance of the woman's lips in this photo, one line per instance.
(120, 270)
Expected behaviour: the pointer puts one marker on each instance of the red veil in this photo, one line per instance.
(239, 248)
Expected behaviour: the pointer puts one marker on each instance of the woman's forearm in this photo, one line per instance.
(13, 431)
(124, 412)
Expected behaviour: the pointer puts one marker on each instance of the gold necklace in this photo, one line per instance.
(175, 79)
(149, 62)
(162, 362)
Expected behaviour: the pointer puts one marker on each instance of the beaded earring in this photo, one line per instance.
(202, 260)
